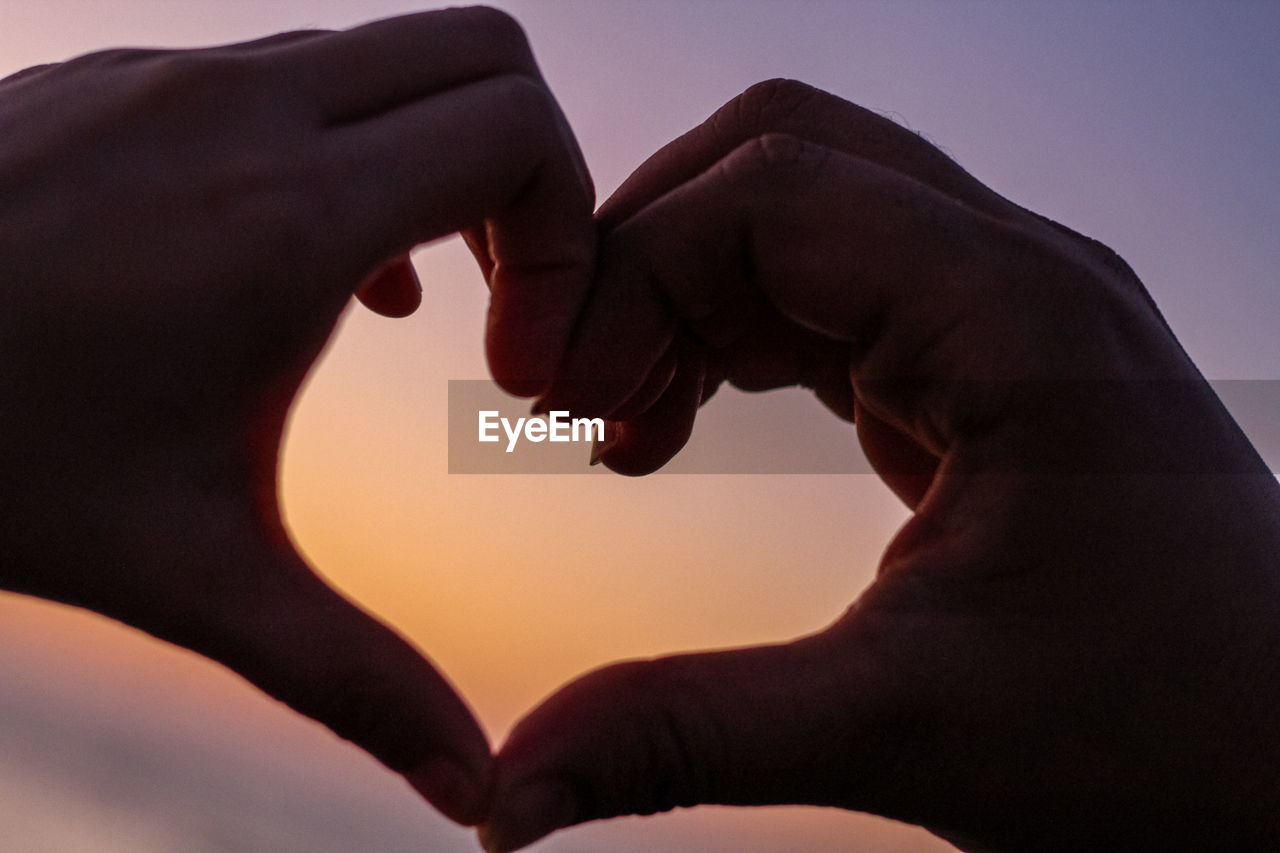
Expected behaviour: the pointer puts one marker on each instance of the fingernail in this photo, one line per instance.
(601, 446)
(451, 788)
(539, 407)
(528, 813)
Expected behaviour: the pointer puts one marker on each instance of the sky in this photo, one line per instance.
(1153, 127)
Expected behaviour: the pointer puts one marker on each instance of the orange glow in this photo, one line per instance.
(514, 585)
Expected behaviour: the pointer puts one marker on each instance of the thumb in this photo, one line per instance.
(789, 723)
(257, 608)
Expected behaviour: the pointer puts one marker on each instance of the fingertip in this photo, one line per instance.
(526, 814)
(518, 382)
(602, 445)
(458, 790)
(393, 291)
(650, 440)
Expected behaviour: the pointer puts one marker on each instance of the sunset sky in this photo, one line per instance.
(1154, 127)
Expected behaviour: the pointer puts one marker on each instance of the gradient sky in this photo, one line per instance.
(1154, 127)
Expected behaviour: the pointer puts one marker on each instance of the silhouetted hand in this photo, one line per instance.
(179, 232)
(1071, 645)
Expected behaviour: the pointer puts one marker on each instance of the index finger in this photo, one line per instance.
(358, 73)
(438, 122)
(796, 109)
(353, 74)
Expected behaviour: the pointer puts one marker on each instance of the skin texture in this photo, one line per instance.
(1071, 645)
(180, 231)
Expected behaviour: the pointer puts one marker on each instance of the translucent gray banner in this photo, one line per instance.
(788, 432)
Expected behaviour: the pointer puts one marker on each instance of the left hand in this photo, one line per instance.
(179, 233)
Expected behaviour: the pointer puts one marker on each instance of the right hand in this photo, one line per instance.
(1071, 644)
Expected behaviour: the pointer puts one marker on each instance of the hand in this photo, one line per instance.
(179, 233)
(1069, 646)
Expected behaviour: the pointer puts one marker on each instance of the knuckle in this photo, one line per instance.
(778, 150)
(689, 739)
(1102, 255)
(525, 102)
(174, 73)
(682, 752)
(113, 58)
(143, 80)
(211, 70)
(112, 74)
(283, 39)
(28, 72)
(770, 104)
(499, 31)
(774, 162)
(1105, 318)
(192, 77)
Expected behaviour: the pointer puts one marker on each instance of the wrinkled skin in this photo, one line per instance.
(1071, 644)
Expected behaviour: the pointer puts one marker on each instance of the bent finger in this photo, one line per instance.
(367, 70)
(27, 73)
(276, 40)
(646, 442)
(892, 280)
(356, 74)
(522, 183)
(796, 109)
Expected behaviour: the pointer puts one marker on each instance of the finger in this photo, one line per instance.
(778, 353)
(258, 609)
(27, 73)
(775, 353)
(393, 291)
(777, 724)
(596, 389)
(618, 342)
(646, 442)
(654, 387)
(355, 74)
(795, 109)
(384, 64)
(905, 467)
(199, 557)
(875, 266)
(332, 662)
(275, 40)
(520, 181)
